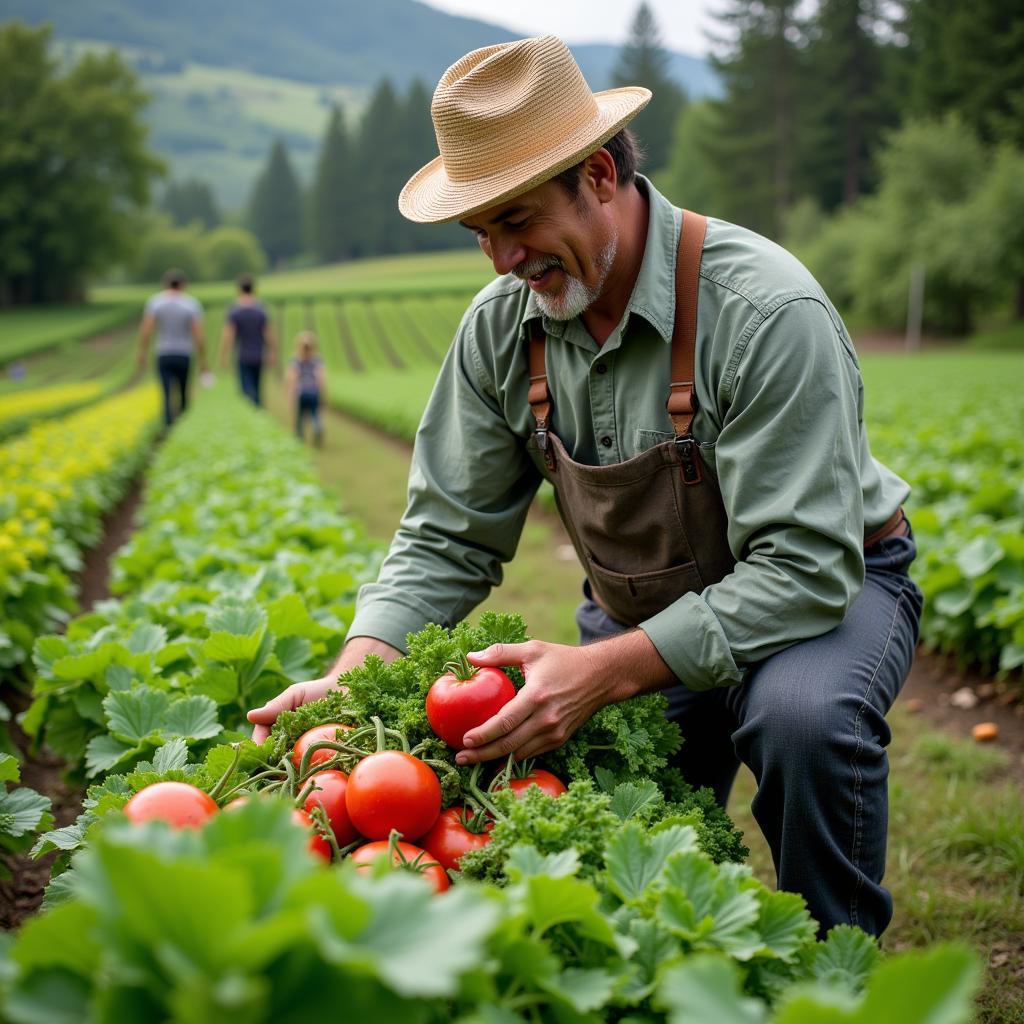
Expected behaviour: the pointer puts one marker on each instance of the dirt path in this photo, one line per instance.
(41, 770)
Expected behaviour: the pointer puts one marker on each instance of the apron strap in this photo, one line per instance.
(682, 399)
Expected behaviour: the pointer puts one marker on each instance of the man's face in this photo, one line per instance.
(562, 247)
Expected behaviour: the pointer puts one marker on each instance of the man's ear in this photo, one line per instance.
(600, 174)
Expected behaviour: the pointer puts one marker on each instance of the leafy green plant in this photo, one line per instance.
(23, 812)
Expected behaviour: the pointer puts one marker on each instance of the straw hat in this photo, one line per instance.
(507, 118)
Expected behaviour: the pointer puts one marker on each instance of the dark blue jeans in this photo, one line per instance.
(309, 405)
(173, 371)
(810, 724)
(249, 380)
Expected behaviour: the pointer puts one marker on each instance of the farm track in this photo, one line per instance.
(43, 771)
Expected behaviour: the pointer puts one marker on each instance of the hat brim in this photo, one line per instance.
(431, 197)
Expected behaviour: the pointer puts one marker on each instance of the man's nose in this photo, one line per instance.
(506, 254)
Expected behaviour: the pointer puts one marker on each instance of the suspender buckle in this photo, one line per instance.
(544, 446)
(689, 459)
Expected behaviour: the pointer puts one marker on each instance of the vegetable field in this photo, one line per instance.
(348, 861)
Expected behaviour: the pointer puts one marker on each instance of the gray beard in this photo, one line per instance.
(575, 296)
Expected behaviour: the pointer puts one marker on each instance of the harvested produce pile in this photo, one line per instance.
(56, 484)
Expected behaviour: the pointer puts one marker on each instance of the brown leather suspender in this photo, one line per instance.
(682, 399)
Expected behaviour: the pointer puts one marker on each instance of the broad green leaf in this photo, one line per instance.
(51, 995)
(936, 986)
(706, 988)
(955, 602)
(171, 755)
(524, 861)
(785, 925)
(136, 714)
(10, 770)
(231, 647)
(634, 860)
(237, 618)
(552, 901)
(401, 939)
(147, 638)
(21, 811)
(629, 798)
(294, 654)
(976, 557)
(88, 665)
(218, 682)
(105, 752)
(119, 677)
(288, 616)
(846, 958)
(63, 937)
(70, 837)
(48, 650)
(192, 717)
(585, 989)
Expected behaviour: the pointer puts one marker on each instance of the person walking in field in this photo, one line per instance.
(307, 386)
(247, 329)
(177, 320)
(697, 404)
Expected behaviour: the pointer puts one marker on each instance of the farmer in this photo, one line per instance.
(696, 402)
(177, 320)
(247, 329)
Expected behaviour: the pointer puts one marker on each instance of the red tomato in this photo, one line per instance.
(392, 790)
(449, 839)
(318, 734)
(547, 782)
(455, 706)
(317, 845)
(331, 797)
(411, 858)
(177, 803)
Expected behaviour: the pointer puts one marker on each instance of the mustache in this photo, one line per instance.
(530, 268)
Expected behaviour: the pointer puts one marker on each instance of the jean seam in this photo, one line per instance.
(858, 802)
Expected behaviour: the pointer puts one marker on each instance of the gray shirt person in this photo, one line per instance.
(173, 314)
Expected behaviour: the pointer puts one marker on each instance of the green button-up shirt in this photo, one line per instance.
(780, 423)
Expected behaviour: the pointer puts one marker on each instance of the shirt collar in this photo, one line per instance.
(654, 294)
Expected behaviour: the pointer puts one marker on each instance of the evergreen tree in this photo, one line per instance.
(758, 152)
(644, 62)
(850, 105)
(332, 198)
(969, 58)
(191, 200)
(275, 208)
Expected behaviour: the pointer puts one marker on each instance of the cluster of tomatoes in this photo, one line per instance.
(390, 795)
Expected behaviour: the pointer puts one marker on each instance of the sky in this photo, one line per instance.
(682, 22)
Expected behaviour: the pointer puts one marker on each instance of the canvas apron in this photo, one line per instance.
(652, 528)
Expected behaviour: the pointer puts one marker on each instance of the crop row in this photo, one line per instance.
(57, 481)
(240, 580)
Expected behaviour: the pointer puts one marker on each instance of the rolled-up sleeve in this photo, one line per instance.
(787, 461)
(470, 487)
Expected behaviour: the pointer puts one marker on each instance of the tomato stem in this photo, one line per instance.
(460, 667)
(309, 788)
(481, 798)
(319, 818)
(223, 780)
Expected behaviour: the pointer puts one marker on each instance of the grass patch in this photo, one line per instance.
(26, 331)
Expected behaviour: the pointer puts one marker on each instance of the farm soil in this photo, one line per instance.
(41, 770)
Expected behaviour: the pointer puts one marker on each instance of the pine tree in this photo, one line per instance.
(850, 105)
(332, 197)
(644, 62)
(275, 208)
(758, 153)
(191, 200)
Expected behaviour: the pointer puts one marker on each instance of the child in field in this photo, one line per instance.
(307, 385)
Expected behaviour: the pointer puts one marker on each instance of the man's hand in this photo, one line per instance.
(288, 700)
(564, 687)
(353, 653)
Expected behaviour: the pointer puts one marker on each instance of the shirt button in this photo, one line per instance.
(606, 441)
(601, 368)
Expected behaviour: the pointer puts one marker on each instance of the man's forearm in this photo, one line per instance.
(357, 648)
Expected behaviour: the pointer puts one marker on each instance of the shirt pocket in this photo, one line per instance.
(652, 438)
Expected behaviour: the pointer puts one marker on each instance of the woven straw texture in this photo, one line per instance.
(507, 118)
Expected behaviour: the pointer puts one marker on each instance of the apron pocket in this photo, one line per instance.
(632, 598)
